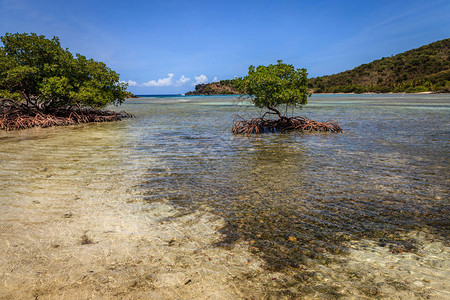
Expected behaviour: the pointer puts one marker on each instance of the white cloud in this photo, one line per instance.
(215, 79)
(182, 80)
(201, 79)
(130, 82)
(168, 81)
(161, 82)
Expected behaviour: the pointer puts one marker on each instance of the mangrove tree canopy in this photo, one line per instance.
(275, 85)
(42, 75)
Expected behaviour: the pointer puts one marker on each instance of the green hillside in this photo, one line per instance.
(423, 69)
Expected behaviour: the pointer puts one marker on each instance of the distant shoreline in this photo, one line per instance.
(390, 93)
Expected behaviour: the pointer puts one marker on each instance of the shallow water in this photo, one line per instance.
(317, 207)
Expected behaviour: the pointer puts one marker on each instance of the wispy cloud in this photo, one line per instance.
(401, 25)
(215, 79)
(201, 79)
(20, 5)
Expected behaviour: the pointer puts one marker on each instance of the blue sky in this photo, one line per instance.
(169, 46)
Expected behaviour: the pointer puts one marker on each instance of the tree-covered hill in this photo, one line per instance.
(419, 70)
(423, 69)
(223, 87)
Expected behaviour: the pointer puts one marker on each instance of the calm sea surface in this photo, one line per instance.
(295, 197)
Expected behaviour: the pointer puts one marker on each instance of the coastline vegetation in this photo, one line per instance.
(425, 69)
(43, 84)
(223, 87)
(271, 87)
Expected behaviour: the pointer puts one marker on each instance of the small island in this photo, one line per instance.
(223, 87)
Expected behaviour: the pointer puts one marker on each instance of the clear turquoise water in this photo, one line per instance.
(296, 197)
(387, 173)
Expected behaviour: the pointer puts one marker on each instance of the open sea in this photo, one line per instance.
(363, 213)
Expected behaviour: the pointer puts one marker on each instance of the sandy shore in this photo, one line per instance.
(75, 224)
(74, 227)
(90, 247)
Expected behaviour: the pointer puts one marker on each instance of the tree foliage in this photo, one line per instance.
(41, 74)
(275, 85)
(423, 69)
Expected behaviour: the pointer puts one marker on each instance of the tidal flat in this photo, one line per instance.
(171, 205)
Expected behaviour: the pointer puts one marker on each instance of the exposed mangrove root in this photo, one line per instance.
(262, 125)
(15, 117)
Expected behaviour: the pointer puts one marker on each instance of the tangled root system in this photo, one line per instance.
(15, 117)
(262, 125)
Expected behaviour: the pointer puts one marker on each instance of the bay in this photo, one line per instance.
(309, 206)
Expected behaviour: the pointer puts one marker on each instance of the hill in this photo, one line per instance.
(425, 69)
(223, 87)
